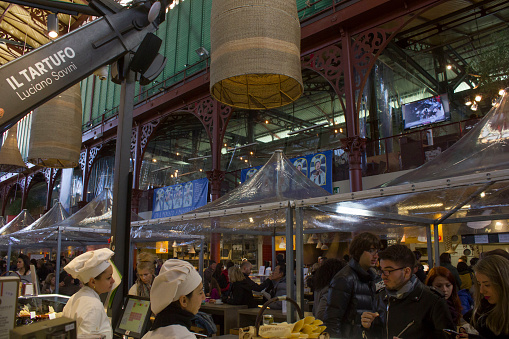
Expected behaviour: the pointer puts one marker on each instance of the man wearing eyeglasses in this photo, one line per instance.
(406, 308)
(352, 289)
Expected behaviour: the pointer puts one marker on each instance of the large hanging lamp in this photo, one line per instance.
(55, 138)
(10, 156)
(255, 53)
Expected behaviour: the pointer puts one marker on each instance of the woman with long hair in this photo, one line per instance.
(321, 280)
(490, 316)
(443, 280)
(215, 289)
(240, 290)
(145, 271)
(49, 284)
(23, 265)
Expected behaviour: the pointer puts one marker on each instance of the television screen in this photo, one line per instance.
(426, 111)
(135, 317)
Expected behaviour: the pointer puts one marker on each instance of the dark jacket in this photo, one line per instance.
(278, 289)
(267, 284)
(466, 300)
(241, 294)
(481, 327)
(454, 272)
(351, 292)
(224, 281)
(207, 278)
(422, 307)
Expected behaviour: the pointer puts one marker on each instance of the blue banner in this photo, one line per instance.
(178, 199)
(317, 167)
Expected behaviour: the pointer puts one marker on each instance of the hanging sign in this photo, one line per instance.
(317, 167)
(178, 199)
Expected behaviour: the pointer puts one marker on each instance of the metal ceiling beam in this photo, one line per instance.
(504, 216)
(445, 17)
(393, 47)
(57, 6)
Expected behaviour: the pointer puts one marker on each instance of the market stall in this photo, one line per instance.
(260, 206)
(466, 184)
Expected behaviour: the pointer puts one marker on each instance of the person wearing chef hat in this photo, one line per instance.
(94, 269)
(175, 298)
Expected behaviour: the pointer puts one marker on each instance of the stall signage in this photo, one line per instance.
(317, 167)
(281, 243)
(8, 299)
(162, 247)
(178, 199)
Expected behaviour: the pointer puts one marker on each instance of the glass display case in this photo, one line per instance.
(40, 305)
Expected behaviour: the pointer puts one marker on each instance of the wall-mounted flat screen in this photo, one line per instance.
(426, 111)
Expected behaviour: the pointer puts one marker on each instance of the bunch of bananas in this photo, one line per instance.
(309, 327)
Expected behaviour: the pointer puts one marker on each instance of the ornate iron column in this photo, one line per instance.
(215, 117)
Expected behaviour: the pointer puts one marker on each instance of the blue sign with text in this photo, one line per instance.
(178, 199)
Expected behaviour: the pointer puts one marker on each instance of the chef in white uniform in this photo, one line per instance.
(175, 298)
(94, 269)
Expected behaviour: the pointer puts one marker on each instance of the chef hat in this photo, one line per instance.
(89, 264)
(176, 278)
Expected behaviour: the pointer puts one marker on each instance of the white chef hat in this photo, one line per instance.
(176, 278)
(89, 264)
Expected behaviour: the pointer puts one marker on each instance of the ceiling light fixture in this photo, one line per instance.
(449, 66)
(52, 22)
(202, 53)
(478, 97)
(501, 92)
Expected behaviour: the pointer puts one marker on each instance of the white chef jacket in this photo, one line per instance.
(86, 308)
(170, 332)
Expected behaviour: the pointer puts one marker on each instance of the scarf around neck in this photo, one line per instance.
(142, 289)
(403, 291)
(172, 315)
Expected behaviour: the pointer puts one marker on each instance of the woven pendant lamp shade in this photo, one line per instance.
(10, 157)
(255, 53)
(55, 138)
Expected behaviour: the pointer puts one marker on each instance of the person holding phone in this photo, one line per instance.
(443, 280)
(490, 316)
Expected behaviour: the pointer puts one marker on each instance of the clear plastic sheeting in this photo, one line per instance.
(90, 225)
(258, 204)
(22, 220)
(48, 238)
(56, 214)
(277, 180)
(95, 214)
(462, 205)
(484, 148)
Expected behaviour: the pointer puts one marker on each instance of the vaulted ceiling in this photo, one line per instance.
(24, 28)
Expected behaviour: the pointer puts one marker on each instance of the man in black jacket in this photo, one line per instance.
(245, 268)
(406, 308)
(352, 289)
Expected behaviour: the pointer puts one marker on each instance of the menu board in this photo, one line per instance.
(8, 299)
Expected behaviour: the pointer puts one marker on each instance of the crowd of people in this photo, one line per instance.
(45, 272)
(370, 293)
(387, 294)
